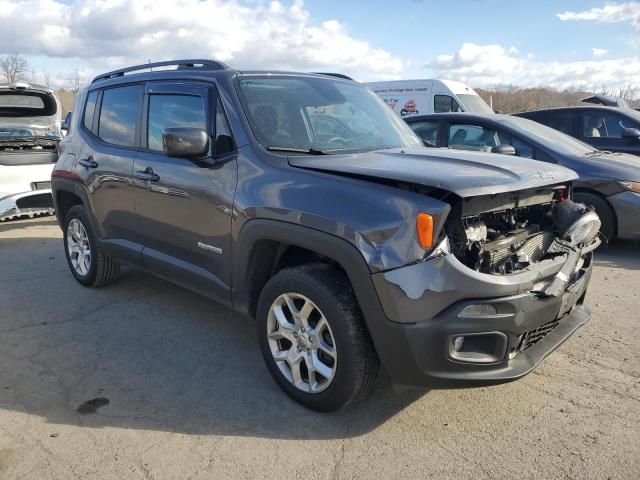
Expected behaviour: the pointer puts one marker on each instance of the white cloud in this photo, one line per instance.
(599, 52)
(610, 13)
(262, 34)
(485, 65)
(628, 12)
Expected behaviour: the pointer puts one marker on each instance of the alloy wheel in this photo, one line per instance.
(78, 247)
(301, 342)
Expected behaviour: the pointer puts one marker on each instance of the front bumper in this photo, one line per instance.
(26, 203)
(508, 323)
(627, 208)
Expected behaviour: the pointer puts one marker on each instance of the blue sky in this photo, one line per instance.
(485, 42)
(424, 28)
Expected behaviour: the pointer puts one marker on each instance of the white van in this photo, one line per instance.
(420, 97)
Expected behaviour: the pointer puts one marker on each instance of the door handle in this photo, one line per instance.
(88, 162)
(147, 175)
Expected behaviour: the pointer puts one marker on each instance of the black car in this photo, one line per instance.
(608, 181)
(605, 128)
(304, 202)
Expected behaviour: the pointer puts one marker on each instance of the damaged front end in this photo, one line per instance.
(505, 233)
(504, 287)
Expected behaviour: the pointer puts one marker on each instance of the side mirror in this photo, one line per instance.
(185, 142)
(66, 123)
(633, 133)
(504, 149)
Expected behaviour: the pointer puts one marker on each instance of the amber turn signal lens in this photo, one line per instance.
(424, 227)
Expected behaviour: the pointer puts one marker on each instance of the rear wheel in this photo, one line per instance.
(313, 338)
(603, 209)
(88, 264)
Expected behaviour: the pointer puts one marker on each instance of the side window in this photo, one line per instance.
(601, 123)
(445, 103)
(427, 131)
(562, 121)
(472, 137)
(89, 110)
(119, 115)
(522, 148)
(224, 139)
(172, 111)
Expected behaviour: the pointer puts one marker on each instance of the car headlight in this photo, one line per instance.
(631, 186)
(583, 230)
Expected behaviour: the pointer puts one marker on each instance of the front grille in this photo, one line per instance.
(531, 337)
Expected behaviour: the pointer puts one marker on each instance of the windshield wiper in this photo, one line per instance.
(311, 151)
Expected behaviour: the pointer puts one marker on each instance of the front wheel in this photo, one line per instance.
(313, 338)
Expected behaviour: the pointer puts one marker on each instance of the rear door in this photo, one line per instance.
(184, 207)
(109, 129)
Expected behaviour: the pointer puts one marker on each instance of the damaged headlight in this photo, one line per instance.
(577, 223)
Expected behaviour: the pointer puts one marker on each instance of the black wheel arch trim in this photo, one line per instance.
(387, 336)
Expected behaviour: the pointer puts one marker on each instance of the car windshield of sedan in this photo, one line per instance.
(320, 115)
(549, 137)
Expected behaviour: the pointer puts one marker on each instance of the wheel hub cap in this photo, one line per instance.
(78, 247)
(301, 342)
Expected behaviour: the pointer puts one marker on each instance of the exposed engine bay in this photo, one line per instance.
(506, 238)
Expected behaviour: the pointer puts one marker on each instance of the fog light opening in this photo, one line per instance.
(489, 347)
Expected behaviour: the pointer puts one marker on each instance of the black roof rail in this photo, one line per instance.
(181, 64)
(337, 75)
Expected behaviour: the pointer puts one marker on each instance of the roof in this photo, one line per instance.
(193, 67)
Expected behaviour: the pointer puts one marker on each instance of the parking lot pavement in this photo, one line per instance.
(189, 397)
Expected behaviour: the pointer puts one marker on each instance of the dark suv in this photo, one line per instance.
(303, 201)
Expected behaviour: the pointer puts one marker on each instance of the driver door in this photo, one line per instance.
(183, 206)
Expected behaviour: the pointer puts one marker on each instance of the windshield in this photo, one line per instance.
(474, 103)
(320, 114)
(549, 137)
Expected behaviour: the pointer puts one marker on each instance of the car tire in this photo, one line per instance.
(323, 382)
(88, 264)
(603, 209)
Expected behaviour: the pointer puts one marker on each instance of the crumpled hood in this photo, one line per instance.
(465, 173)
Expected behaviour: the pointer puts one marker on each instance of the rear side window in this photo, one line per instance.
(558, 120)
(173, 111)
(119, 115)
(427, 131)
(89, 110)
(445, 103)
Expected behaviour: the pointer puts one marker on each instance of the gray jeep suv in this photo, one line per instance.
(303, 201)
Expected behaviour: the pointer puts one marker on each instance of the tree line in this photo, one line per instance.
(502, 98)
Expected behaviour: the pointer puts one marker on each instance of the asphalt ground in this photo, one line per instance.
(146, 380)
